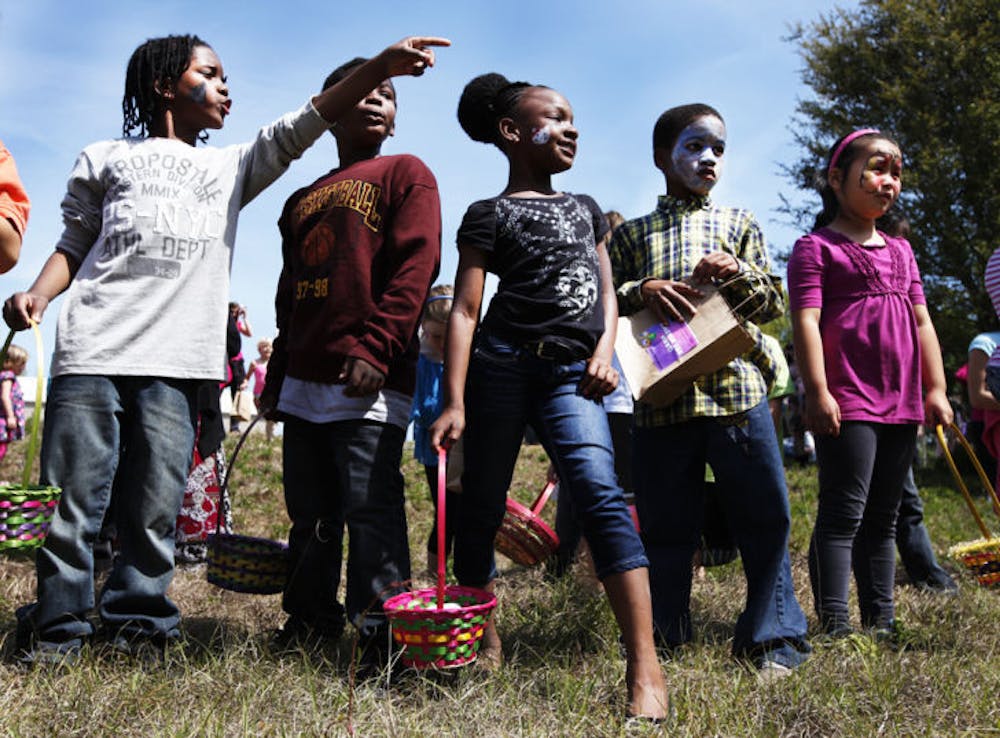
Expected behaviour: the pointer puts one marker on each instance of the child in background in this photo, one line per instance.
(14, 208)
(865, 347)
(541, 356)
(150, 224)
(658, 261)
(984, 407)
(360, 250)
(237, 325)
(11, 397)
(983, 428)
(992, 278)
(257, 371)
(428, 401)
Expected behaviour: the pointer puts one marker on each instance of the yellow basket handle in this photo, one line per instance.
(36, 416)
(983, 478)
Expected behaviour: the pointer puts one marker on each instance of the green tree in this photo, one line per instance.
(928, 73)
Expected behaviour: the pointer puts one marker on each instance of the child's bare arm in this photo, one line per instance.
(10, 245)
(6, 404)
(937, 409)
(822, 412)
(470, 280)
(22, 308)
(601, 377)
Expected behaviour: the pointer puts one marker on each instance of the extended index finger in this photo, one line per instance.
(421, 44)
(430, 41)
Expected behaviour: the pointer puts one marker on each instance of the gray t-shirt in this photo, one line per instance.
(152, 223)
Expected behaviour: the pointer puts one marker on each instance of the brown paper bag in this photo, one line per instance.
(662, 361)
(243, 405)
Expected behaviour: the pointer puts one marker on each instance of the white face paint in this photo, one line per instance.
(696, 160)
(540, 136)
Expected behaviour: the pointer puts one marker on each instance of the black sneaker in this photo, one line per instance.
(299, 633)
(376, 653)
(939, 583)
(141, 647)
(51, 653)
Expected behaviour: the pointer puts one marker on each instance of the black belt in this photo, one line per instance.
(555, 351)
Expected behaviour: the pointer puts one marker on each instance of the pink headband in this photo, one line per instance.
(843, 145)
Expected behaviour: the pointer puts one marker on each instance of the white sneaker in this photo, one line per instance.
(771, 671)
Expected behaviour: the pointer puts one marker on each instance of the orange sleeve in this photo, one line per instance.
(14, 203)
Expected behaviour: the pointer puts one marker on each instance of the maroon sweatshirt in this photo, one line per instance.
(361, 247)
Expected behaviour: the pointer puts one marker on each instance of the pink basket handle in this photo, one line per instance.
(543, 497)
(442, 485)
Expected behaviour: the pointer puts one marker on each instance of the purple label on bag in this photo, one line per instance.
(666, 344)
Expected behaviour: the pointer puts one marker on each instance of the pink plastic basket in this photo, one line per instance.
(524, 537)
(440, 627)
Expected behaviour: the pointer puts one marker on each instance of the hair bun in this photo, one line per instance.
(477, 109)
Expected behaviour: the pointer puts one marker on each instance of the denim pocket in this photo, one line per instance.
(494, 350)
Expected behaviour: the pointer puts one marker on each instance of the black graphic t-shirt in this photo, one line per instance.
(544, 252)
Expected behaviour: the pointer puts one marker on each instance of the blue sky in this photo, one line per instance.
(619, 64)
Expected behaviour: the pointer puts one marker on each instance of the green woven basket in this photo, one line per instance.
(244, 563)
(26, 510)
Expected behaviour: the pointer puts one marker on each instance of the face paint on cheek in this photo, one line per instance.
(870, 181)
(199, 94)
(686, 165)
(540, 136)
(877, 174)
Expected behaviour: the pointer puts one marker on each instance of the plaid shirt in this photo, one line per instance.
(667, 244)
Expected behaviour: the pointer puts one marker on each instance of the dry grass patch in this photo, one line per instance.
(564, 675)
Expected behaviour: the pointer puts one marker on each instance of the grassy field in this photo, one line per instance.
(563, 674)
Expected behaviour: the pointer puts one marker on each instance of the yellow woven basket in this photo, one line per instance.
(981, 556)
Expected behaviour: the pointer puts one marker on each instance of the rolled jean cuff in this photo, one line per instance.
(620, 567)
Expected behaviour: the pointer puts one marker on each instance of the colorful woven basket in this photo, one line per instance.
(242, 563)
(440, 627)
(982, 556)
(524, 537)
(432, 636)
(26, 510)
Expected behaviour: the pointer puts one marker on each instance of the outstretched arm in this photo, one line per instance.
(413, 55)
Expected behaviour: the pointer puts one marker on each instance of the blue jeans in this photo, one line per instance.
(861, 476)
(508, 388)
(914, 543)
(140, 430)
(669, 477)
(567, 527)
(345, 471)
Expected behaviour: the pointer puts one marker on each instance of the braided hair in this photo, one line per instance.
(159, 62)
(485, 100)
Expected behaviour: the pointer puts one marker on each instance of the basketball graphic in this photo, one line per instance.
(316, 246)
